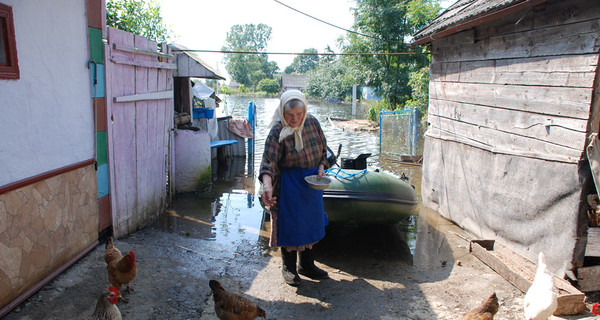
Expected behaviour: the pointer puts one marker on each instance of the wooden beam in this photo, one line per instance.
(592, 248)
(120, 59)
(588, 278)
(160, 95)
(148, 52)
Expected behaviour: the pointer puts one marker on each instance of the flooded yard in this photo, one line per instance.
(417, 269)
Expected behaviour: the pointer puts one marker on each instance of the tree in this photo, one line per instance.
(137, 16)
(330, 80)
(387, 25)
(304, 63)
(248, 69)
(270, 86)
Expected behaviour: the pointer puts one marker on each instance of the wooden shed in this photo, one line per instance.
(293, 82)
(513, 105)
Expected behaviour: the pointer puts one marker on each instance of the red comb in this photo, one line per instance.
(132, 254)
(595, 309)
(114, 290)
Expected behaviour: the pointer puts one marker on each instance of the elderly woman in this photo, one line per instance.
(295, 148)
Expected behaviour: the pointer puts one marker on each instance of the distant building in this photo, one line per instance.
(293, 81)
(233, 84)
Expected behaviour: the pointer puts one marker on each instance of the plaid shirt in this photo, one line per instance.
(284, 155)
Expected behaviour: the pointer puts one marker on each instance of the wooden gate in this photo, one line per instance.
(139, 91)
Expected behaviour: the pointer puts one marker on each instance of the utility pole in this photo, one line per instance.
(354, 101)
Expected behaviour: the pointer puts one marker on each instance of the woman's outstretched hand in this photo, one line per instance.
(267, 194)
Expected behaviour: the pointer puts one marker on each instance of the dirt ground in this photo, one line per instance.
(373, 275)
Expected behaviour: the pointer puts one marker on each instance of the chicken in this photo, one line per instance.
(106, 308)
(122, 271)
(111, 252)
(541, 298)
(232, 306)
(485, 311)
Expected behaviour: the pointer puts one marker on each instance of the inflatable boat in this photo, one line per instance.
(359, 194)
(368, 195)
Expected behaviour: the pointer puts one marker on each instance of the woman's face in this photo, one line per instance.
(294, 116)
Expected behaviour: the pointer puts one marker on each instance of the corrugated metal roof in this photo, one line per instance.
(462, 12)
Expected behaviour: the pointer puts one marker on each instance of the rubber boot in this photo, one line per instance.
(290, 275)
(307, 266)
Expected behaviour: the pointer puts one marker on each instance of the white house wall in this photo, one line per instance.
(46, 118)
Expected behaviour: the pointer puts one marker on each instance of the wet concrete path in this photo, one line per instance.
(402, 271)
(408, 270)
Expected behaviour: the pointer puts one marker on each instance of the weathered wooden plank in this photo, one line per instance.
(160, 95)
(577, 38)
(143, 131)
(592, 248)
(567, 132)
(123, 59)
(517, 280)
(499, 142)
(148, 51)
(588, 278)
(460, 38)
(559, 13)
(564, 71)
(109, 77)
(559, 101)
(123, 142)
(156, 134)
(164, 124)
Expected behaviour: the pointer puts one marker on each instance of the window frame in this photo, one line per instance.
(11, 70)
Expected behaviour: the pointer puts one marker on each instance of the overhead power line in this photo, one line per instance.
(307, 53)
(333, 25)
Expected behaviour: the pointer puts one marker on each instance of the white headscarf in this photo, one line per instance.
(278, 116)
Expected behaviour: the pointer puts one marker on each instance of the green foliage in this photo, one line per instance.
(248, 69)
(419, 81)
(223, 89)
(329, 81)
(388, 23)
(242, 88)
(375, 107)
(137, 16)
(304, 63)
(270, 86)
(372, 114)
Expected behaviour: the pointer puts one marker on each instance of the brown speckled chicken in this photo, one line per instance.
(485, 311)
(106, 308)
(111, 252)
(232, 306)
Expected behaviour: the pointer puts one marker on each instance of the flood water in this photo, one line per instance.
(232, 212)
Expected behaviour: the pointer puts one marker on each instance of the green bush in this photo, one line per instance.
(270, 86)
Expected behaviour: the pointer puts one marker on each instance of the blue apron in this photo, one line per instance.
(301, 218)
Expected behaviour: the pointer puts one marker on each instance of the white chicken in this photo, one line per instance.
(541, 298)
